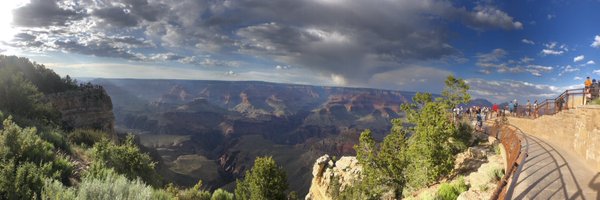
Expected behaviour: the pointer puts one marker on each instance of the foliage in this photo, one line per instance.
(384, 166)
(417, 161)
(450, 191)
(126, 159)
(26, 160)
(86, 137)
(221, 194)
(496, 174)
(20, 98)
(106, 184)
(57, 138)
(293, 196)
(194, 193)
(266, 180)
(43, 78)
(435, 138)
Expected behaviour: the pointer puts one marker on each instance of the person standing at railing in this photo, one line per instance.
(586, 92)
(595, 89)
(511, 108)
(559, 103)
(528, 109)
(535, 109)
(516, 108)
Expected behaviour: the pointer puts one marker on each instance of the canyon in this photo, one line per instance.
(213, 130)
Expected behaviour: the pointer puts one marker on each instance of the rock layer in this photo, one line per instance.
(85, 108)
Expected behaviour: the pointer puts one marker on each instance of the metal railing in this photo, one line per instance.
(565, 101)
(511, 141)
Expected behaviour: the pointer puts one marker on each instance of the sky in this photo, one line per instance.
(523, 49)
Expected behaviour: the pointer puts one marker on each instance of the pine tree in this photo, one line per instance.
(265, 180)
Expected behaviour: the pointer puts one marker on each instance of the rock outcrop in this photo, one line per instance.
(86, 108)
(326, 171)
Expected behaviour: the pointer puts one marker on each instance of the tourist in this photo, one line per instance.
(535, 109)
(511, 108)
(595, 89)
(586, 90)
(528, 109)
(495, 109)
(516, 108)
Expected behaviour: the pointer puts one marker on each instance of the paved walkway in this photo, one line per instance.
(549, 172)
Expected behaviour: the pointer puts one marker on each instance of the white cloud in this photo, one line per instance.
(505, 90)
(550, 16)
(526, 59)
(550, 45)
(526, 41)
(591, 62)
(568, 69)
(577, 78)
(578, 58)
(230, 73)
(282, 67)
(412, 78)
(596, 42)
(552, 52)
(597, 72)
(338, 79)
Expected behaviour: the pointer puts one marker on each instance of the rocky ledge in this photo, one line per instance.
(346, 170)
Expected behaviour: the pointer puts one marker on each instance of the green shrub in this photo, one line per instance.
(266, 180)
(86, 137)
(106, 184)
(496, 174)
(25, 161)
(126, 159)
(450, 191)
(221, 194)
(56, 138)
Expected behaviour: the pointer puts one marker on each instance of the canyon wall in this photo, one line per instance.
(85, 108)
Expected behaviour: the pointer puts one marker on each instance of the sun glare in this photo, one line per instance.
(7, 30)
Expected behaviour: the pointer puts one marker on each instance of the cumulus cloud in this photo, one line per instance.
(487, 16)
(552, 52)
(412, 78)
(526, 41)
(578, 58)
(496, 60)
(597, 72)
(596, 42)
(577, 78)
(506, 90)
(42, 13)
(568, 69)
(591, 62)
(334, 39)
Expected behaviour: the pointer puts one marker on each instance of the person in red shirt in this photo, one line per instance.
(495, 109)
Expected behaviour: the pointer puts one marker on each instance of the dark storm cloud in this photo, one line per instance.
(116, 16)
(44, 13)
(102, 49)
(352, 39)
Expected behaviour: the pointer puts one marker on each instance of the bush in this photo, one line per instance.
(221, 194)
(125, 159)
(266, 180)
(86, 137)
(56, 138)
(451, 191)
(106, 184)
(19, 97)
(496, 174)
(26, 160)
